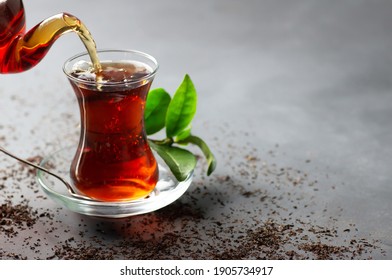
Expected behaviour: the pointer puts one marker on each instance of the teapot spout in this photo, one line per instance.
(27, 50)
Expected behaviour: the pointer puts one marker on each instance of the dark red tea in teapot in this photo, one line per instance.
(12, 24)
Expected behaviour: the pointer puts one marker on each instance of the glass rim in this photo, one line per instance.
(100, 51)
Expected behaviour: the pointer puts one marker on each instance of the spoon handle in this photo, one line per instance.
(69, 187)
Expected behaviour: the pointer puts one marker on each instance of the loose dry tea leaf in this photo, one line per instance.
(14, 218)
(256, 208)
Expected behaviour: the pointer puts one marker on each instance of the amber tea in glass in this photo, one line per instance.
(113, 161)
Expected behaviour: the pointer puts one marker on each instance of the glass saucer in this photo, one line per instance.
(167, 190)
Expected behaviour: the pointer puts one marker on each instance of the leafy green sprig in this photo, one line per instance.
(176, 115)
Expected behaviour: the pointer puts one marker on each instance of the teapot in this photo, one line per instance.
(20, 51)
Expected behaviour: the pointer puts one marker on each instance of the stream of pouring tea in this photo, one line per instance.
(87, 40)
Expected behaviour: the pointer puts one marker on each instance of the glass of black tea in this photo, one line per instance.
(113, 161)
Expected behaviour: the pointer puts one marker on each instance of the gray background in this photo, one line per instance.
(299, 86)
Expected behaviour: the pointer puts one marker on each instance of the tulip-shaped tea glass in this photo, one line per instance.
(113, 161)
(112, 168)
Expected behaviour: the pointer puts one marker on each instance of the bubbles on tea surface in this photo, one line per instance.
(112, 72)
(116, 72)
(83, 70)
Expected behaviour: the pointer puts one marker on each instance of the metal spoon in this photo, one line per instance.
(68, 185)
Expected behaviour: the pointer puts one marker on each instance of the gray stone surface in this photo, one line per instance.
(295, 99)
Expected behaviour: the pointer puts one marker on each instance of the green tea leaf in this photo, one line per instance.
(183, 135)
(181, 162)
(155, 111)
(182, 108)
(211, 160)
